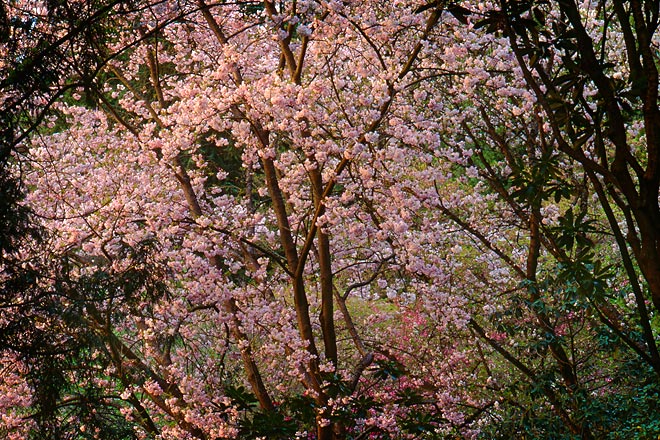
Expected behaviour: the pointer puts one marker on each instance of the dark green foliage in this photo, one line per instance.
(35, 59)
(421, 424)
(540, 180)
(50, 317)
(241, 398)
(573, 230)
(630, 412)
(297, 414)
(47, 322)
(55, 332)
(388, 369)
(272, 425)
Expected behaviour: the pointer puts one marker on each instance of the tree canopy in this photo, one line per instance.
(329, 219)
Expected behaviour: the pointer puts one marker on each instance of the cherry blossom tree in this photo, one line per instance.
(257, 246)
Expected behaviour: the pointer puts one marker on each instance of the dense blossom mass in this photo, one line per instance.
(333, 220)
